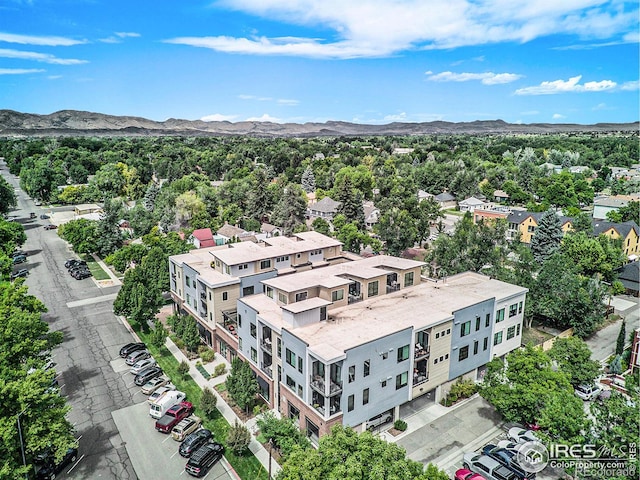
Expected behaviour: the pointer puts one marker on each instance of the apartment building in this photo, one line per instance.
(349, 342)
(206, 283)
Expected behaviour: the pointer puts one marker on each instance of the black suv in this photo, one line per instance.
(49, 469)
(147, 374)
(74, 263)
(194, 441)
(81, 274)
(203, 459)
(130, 348)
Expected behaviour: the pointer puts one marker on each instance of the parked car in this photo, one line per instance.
(23, 272)
(185, 427)
(203, 459)
(76, 267)
(153, 396)
(32, 215)
(379, 420)
(154, 384)
(42, 217)
(136, 356)
(81, 275)
(50, 227)
(19, 259)
(18, 252)
(520, 435)
(72, 261)
(173, 416)
(131, 347)
(508, 459)
(49, 469)
(587, 392)
(464, 474)
(487, 466)
(147, 374)
(194, 441)
(509, 445)
(140, 365)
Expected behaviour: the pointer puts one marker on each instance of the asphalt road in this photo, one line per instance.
(93, 336)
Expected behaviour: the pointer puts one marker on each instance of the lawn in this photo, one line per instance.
(534, 336)
(246, 466)
(95, 269)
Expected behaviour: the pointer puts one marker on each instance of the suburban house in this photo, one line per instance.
(627, 232)
(500, 196)
(445, 200)
(551, 167)
(270, 230)
(527, 222)
(422, 195)
(202, 238)
(630, 277)
(371, 214)
(86, 209)
(229, 233)
(325, 208)
(604, 205)
(471, 204)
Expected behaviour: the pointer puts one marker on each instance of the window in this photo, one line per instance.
(247, 291)
(282, 259)
(291, 382)
(240, 343)
(337, 295)
(520, 307)
(254, 354)
(513, 310)
(485, 343)
(365, 396)
(408, 279)
(352, 373)
(477, 323)
(463, 353)
(531, 229)
(500, 315)
(290, 357)
(372, 289)
(465, 328)
(188, 280)
(253, 330)
(217, 262)
(497, 338)
(403, 353)
(209, 295)
(269, 292)
(367, 368)
(518, 329)
(282, 298)
(475, 347)
(279, 347)
(448, 331)
(300, 364)
(511, 332)
(438, 335)
(227, 270)
(240, 320)
(323, 313)
(265, 264)
(225, 296)
(487, 320)
(188, 299)
(402, 380)
(301, 296)
(243, 266)
(300, 391)
(350, 402)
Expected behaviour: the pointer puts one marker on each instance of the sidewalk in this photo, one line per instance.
(114, 280)
(255, 447)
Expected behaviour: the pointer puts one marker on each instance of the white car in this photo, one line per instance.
(159, 391)
(520, 435)
(587, 392)
(141, 365)
(153, 384)
(136, 356)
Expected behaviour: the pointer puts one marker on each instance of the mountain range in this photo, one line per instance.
(74, 123)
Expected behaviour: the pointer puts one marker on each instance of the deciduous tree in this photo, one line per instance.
(241, 384)
(573, 357)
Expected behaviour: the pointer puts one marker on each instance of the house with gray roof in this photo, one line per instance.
(325, 208)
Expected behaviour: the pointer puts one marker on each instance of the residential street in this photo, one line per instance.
(603, 343)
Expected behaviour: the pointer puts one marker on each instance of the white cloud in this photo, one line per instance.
(487, 78)
(118, 37)
(54, 77)
(50, 41)
(254, 97)
(127, 34)
(400, 117)
(566, 86)
(264, 118)
(218, 117)
(39, 57)
(558, 116)
(374, 28)
(633, 85)
(288, 101)
(19, 71)
(280, 101)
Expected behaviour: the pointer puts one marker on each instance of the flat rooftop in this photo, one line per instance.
(246, 252)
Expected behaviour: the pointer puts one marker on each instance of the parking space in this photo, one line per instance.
(153, 454)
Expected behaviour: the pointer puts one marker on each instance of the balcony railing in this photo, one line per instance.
(203, 295)
(393, 287)
(267, 369)
(318, 384)
(266, 345)
(354, 298)
(420, 377)
(421, 352)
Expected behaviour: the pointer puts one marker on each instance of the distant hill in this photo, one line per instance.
(73, 122)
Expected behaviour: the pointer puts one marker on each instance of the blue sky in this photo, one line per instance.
(364, 61)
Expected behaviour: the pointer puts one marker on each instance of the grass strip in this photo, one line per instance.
(246, 466)
(95, 269)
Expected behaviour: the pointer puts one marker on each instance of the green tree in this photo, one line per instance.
(397, 230)
(346, 454)
(621, 339)
(573, 357)
(426, 213)
(208, 402)
(238, 438)
(290, 210)
(259, 201)
(308, 180)
(284, 434)
(155, 266)
(548, 236)
(582, 223)
(628, 213)
(183, 369)
(108, 236)
(242, 384)
(159, 334)
(82, 234)
(350, 203)
(8, 198)
(137, 299)
(320, 225)
(190, 335)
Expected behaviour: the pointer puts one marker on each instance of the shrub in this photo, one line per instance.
(183, 368)
(179, 343)
(459, 390)
(238, 438)
(284, 433)
(400, 425)
(219, 370)
(208, 402)
(207, 355)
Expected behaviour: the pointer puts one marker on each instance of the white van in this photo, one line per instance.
(165, 402)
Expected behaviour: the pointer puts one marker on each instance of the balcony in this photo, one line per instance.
(318, 384)
(354, 298)
(267, 369)
(203, 295)
(420, 377)
(422, 352)
(266, 345)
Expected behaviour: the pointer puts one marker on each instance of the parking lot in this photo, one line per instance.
(153, 454)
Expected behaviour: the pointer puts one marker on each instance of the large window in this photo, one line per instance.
(279, 347)
(365, 396)
(465, 328)
(282, 298)
(367, 368)
(477, 323)
(475, 347)
(402, 380)
(254, 354)
(337, 295)
(464, 353)
(500, 315)
(264, 264)
(487, 320)
(372, 289)
(513, 310)
(350, 403)
(511, 332)
(300, 364)
(408, 279)
(301, 296)
(352, 373)
(253, 329)
(247, 291)
(485, 343)
(403, 353)
(291, 383)
(290, 357)
(497, 338)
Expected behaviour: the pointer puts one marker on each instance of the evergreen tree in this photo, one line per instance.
(208, 402)
(621, 339)
(238, 438)
(149, 200)
(159, 334)
(548, 236)
(308, 180)
(241, 384)
(290, 210)
(183, 368)
(191, 335)
(350, 203)
(259, 201)
(108, 236)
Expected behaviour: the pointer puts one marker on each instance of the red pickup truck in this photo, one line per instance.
(173, 416)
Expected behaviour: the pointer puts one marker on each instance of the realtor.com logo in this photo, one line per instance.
(586, 459)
